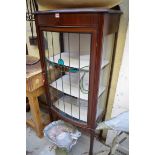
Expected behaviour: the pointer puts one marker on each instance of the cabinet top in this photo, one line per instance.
(81, 10)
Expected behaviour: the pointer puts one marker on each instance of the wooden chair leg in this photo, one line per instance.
(35, 111)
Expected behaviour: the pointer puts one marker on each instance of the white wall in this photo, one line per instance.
(121, 101)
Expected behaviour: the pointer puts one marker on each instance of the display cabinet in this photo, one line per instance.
(76, 51)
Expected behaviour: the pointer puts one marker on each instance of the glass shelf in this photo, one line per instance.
(71, 106)
(74, 60)
(70, 84)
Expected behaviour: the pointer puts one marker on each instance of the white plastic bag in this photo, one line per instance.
(61, 134)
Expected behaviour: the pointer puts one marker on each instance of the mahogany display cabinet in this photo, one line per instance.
(76, 50)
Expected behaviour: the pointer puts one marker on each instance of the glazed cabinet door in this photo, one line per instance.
(67, 58)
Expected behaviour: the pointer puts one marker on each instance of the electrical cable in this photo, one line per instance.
(83, 90)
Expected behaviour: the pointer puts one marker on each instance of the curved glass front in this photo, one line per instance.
(68, 60)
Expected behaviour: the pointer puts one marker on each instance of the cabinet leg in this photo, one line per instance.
(51, 117)
(91, 144)
(35, 111)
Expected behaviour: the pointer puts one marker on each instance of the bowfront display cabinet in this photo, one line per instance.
(76, 51)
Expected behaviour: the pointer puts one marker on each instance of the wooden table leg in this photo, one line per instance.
(35, 111)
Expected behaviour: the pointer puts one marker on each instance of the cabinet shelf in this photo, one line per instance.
(70, 106)
(69, 84)
(74, 60)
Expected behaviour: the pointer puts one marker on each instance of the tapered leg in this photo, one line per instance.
(91, 144)
(51, 117)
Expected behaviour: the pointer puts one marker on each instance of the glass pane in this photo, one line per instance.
(107, 51)
(67, 58)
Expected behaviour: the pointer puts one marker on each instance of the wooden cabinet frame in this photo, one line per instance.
(98, 22)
